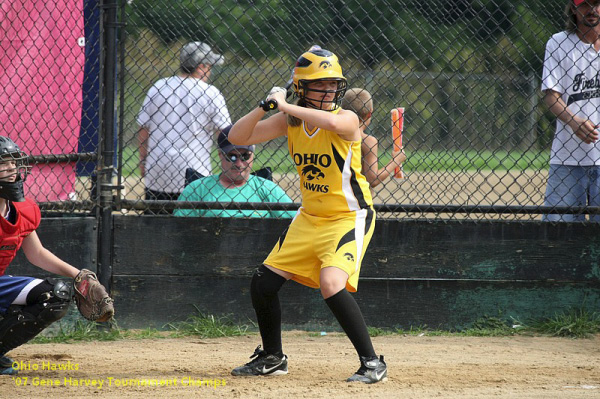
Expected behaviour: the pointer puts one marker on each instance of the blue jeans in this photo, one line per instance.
(572, 186)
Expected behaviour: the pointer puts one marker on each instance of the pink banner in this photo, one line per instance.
(41, 71)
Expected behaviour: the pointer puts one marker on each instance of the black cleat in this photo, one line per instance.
(263, 364)
(371, 370)
(6, 367)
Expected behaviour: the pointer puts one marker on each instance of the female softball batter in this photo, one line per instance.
(324, 245)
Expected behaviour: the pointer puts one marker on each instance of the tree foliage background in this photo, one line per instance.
(432, 35)
(443, 39)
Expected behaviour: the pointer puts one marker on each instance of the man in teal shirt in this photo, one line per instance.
(234, 184)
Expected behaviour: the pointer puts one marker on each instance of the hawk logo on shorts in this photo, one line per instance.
(349, 256)
(311, 172)
(325, 64)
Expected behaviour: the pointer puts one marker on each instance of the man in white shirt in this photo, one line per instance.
(178, 121)
(571, 83)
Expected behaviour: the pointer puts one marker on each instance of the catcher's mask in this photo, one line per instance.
(14, 169)
(315, 65)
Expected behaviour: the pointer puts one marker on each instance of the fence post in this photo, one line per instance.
(107, 133)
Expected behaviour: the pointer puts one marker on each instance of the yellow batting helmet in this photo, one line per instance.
(319, 64)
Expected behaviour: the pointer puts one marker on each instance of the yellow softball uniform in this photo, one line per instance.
(336, 221)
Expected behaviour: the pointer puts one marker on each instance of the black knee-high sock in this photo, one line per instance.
(348, 314)
(265, 300)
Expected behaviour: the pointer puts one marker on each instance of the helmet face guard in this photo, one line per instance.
(319, 65)
(322, 104)
(14, 168)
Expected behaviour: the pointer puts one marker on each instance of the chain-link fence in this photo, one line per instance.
(468, 73)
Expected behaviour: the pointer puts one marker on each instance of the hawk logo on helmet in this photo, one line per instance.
(325, 64)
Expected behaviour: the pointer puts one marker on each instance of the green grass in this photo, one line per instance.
(82, 331)
(575, 323)
(131, 161)
(483, 327)
(207, 326)
(199, 325)
(378, 332)
(489, 326)
(418, 161)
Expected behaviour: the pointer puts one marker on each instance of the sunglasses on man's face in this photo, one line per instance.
(234, 156)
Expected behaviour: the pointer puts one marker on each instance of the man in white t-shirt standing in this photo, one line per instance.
(179, 119)
(571, 82)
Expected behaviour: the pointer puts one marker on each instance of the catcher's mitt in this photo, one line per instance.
(91, 297)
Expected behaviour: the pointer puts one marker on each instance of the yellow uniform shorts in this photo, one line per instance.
(312, 243)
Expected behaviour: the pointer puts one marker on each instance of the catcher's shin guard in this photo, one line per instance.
(21, 323)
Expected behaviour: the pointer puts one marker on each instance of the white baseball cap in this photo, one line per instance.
(196, 53)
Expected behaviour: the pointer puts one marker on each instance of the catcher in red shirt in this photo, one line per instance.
(28, 305)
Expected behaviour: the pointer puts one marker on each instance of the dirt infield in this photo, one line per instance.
(419, 367)
(483, 187)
